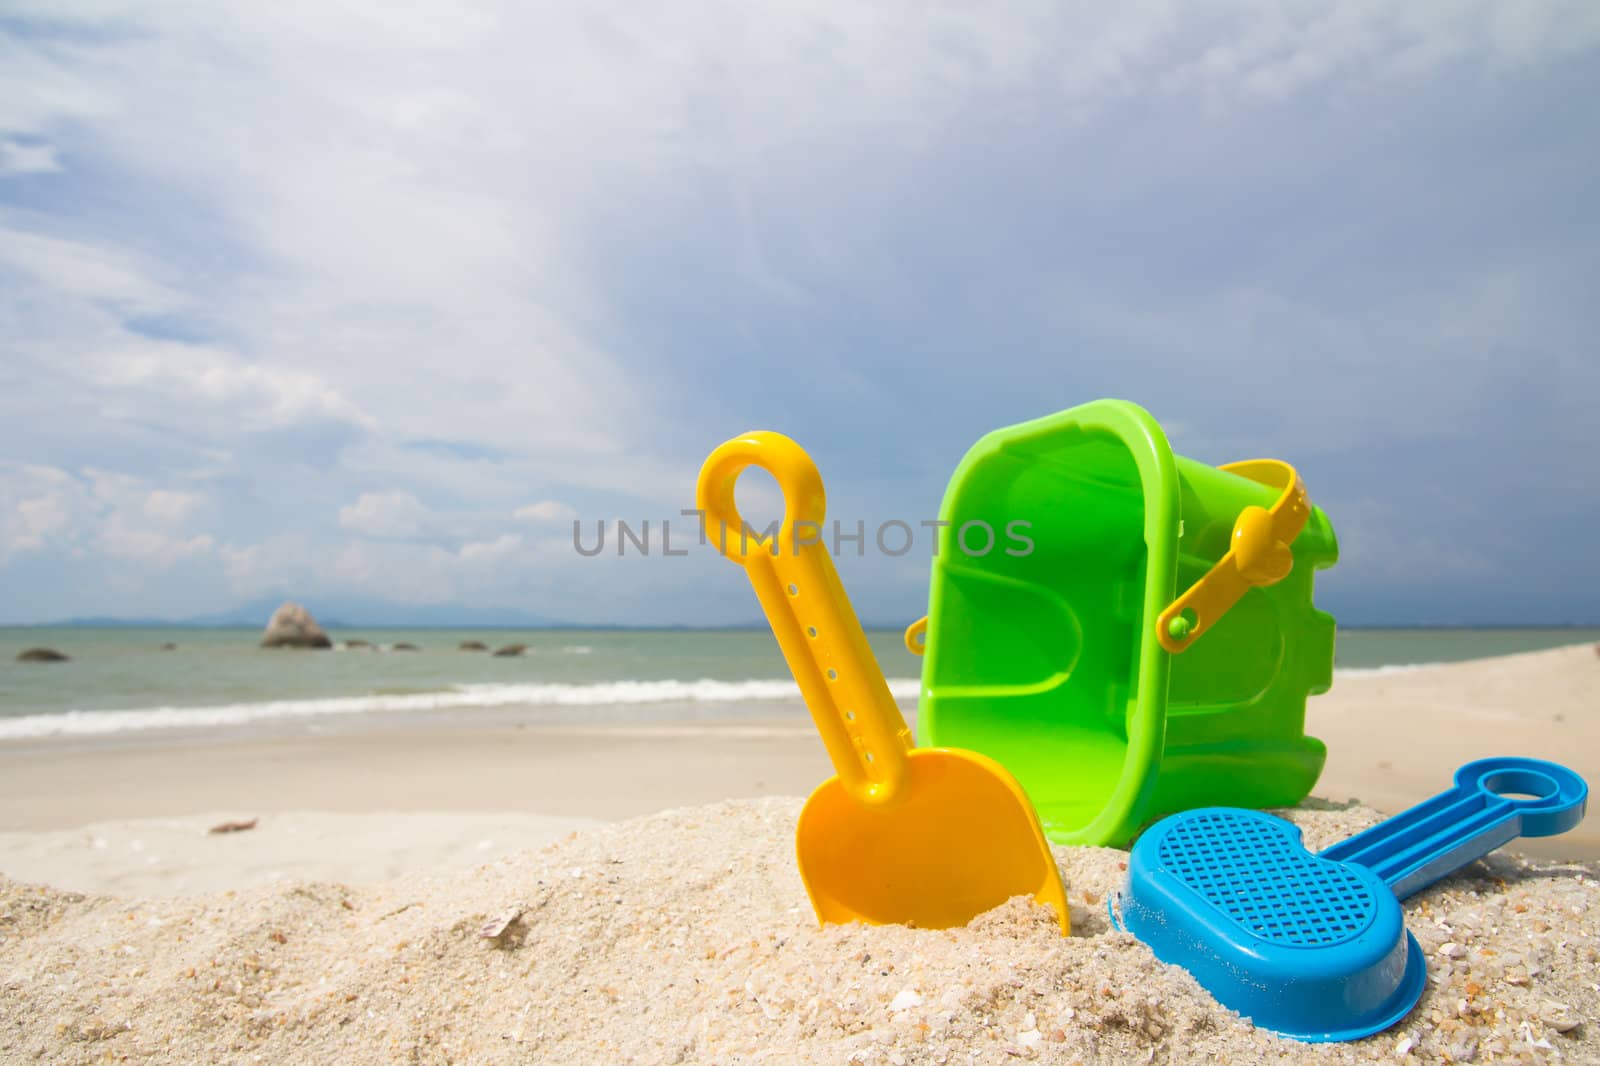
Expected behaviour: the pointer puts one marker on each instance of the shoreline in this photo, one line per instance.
(688, 707)
(1393, 737)
(133, 687)
(134, 727)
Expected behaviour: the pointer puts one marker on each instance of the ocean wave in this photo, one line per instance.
(598, 694)
(79, 723)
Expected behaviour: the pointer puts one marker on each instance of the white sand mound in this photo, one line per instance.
(687, 937)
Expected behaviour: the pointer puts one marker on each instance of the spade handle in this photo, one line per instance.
(806, 606)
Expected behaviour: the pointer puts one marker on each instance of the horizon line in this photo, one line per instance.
(756, 626)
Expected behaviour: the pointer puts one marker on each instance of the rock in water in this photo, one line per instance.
(41, 655)
(510, 650)
(293, 627)
(404, 646)
(474, 645)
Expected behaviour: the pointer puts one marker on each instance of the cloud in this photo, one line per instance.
(167, 507)
(385, 514)
(501, 547)
(119, 538)
(84, 269)
(545, 511)
(17, 158)
(282, 561)
(493, 572)
(37, 508)
(1275, 51)
(102, 533)
(256, 396)
(30, 522)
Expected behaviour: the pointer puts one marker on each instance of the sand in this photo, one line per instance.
(686, 937)
(1395, 738)
(182, 856)
(347, 925)
(607, 771)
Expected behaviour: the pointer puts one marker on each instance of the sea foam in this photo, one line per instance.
(79, 723)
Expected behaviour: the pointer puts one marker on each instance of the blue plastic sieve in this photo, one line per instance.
(1314, 946)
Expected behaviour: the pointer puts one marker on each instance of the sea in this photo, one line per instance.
(133, 683)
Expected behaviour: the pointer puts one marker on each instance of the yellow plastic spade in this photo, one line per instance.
(918, 836)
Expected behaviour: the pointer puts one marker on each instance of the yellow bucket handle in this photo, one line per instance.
(1258, 555)
(917, 636)
(806, 605)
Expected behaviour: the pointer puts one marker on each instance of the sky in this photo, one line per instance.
(369, 301)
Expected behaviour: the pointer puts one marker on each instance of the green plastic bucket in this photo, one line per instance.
(1051, 659)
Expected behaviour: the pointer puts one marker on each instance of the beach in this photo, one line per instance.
(638, 886)
(440, 443)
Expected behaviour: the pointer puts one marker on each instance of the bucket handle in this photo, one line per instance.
(917, 636)
(1257, 556)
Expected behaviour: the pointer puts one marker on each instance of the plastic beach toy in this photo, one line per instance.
(919, 836)
(1314, 946)
(1154, 649)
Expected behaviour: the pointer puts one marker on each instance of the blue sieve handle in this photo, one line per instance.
(1494, 801)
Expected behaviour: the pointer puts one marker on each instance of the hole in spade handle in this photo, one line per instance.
(1522, 786)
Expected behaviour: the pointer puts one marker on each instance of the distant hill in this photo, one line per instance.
(336, 613)
(105, 622)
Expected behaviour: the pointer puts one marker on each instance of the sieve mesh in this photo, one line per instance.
(1260, 876)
